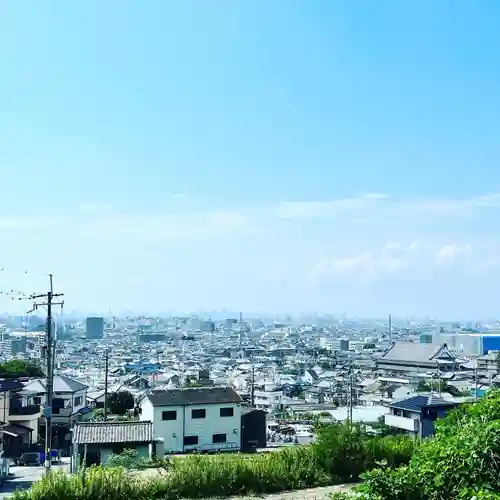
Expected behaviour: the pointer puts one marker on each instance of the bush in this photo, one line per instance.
(341, 454)
(128, 459)
(346, 451)
(461, 462)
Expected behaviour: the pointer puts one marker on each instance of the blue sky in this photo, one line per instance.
(282, 156)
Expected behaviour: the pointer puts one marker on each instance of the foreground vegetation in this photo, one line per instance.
(461, 462)
(341, 454)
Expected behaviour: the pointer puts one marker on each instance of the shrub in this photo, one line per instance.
(346, 451)
(461, 462)
(128, 459)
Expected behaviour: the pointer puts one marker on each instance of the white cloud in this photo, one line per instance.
(169, 226)
(94, 208)
(379, 204)
(375, 212)
(449, 254)
(414, 260)
(332, 208)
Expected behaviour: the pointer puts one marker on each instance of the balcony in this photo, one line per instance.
(17, 410)
(405, 423)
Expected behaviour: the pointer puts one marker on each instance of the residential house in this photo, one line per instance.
(268, 400)
(19, 413)
(410, 356)
(418, 414)
(69, 405)
(138, 382)
(94, 442)
(202, 418)
(310, 376)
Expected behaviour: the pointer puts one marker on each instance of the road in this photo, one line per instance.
(21, 478)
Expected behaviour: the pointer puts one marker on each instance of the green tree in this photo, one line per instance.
(97, 415)
(120, 402)
(19, 368)
(460, 462)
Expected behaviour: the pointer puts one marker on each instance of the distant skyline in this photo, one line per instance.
(290, 156)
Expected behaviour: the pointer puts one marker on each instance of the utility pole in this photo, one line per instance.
(252, 389)
(106, 358)
(48, 302)
(475, 384)
(350, 394)
(438, 373)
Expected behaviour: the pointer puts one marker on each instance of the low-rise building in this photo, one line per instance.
(410, 356)
(93, 443)
(195, 419)
(417, 415)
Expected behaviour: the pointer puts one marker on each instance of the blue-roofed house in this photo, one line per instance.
(417, 414)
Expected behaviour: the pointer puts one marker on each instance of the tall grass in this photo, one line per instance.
(341, 454)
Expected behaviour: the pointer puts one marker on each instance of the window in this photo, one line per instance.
(198, 413)
(37, 400)
(190, 440)
(169, 415)
(227, 412)
(219, 438)
(78, 401)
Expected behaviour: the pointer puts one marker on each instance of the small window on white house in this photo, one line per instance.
(169, 415)
(219, 438)
(227, 412)
(78, 400)
(202, 413)
(190, 440)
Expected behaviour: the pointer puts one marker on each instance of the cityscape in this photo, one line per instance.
(250, 249)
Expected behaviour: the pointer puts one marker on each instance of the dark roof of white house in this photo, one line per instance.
(194, 396)
(112, 432)
(417, 403)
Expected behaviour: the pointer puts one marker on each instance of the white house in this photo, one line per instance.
(268, 400)
(69, 402)
(202, 418)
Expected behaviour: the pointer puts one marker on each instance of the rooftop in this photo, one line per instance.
(194, 396)
(416, 403)
(112, 432)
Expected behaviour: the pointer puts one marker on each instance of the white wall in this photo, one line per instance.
(173, 431)
(83, 395)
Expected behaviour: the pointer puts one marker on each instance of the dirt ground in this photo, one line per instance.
(308, 494)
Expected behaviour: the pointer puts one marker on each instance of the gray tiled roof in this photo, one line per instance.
(196, 396)
(62, 384)
(410, 351)
(112, 432)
